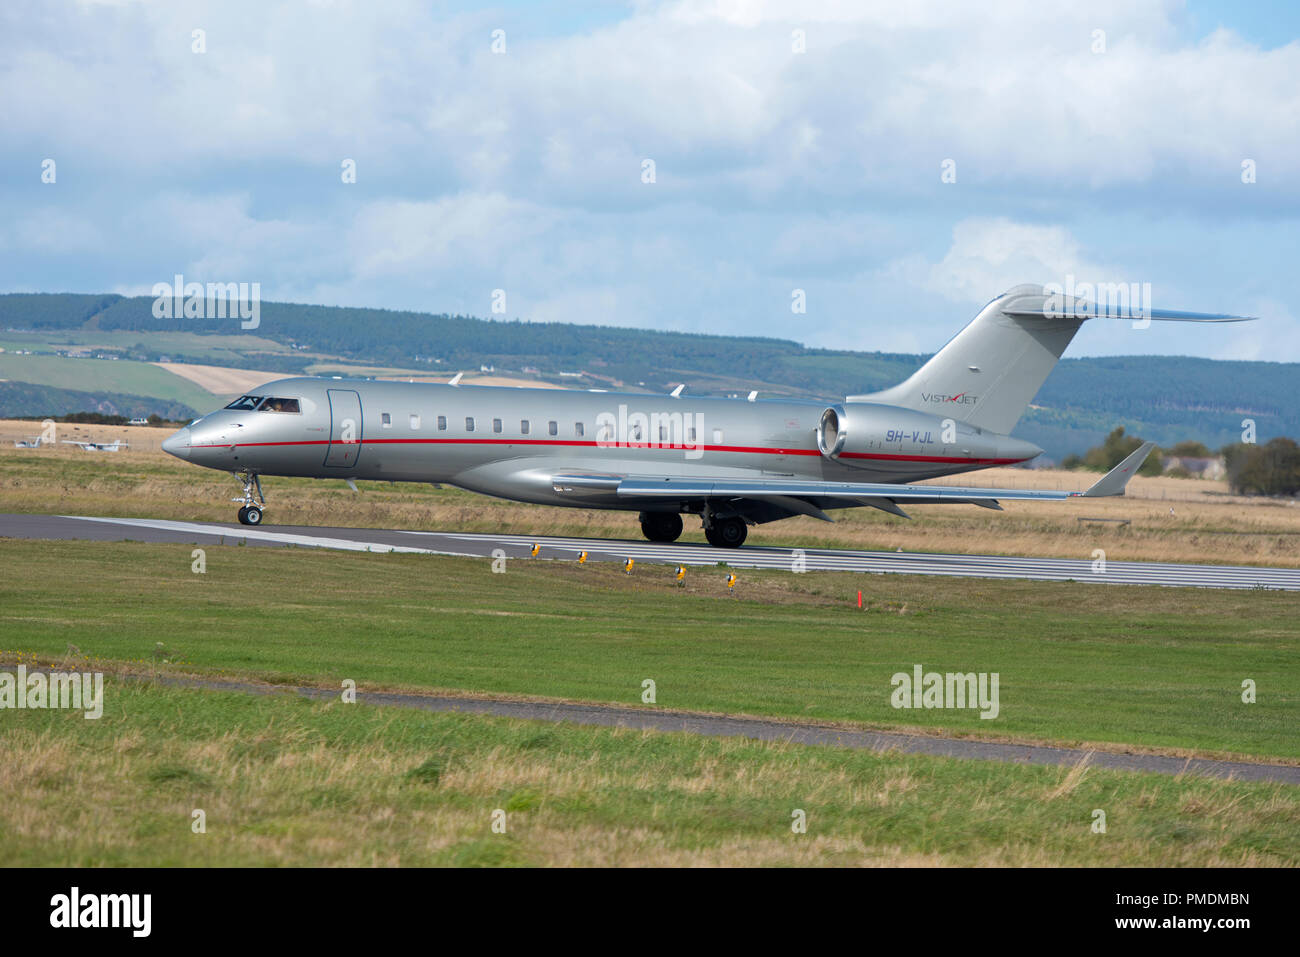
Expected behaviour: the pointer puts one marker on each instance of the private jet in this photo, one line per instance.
(732, 462)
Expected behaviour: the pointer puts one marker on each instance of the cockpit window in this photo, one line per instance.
(278, 405)
(245, 403)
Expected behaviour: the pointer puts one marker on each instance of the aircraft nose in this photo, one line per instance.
(178, 443)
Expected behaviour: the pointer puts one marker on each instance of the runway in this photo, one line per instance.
(567, 549)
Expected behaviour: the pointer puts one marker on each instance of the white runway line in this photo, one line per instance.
(264, 535)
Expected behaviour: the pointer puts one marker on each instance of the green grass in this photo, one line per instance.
(217, 349)
(124, 375)
(285, 781)
(1160, 668)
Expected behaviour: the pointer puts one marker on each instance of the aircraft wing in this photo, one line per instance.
(799, 495)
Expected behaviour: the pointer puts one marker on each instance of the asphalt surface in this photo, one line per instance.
(615, 716)
(567, 549)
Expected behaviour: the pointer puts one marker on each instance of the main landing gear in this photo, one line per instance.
(661, 526)
(726, 532)
(250, 512)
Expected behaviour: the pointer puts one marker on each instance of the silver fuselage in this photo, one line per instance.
(418, 432)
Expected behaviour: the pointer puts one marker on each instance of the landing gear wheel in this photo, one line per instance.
(250, 509)
(661, 526)
(726, 532)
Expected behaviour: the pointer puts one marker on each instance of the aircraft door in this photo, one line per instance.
(345, 429)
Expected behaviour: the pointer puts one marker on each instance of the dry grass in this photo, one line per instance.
(220, 380)
(283, 782)
(1175, 520)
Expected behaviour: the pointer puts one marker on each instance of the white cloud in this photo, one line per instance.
(775, 169)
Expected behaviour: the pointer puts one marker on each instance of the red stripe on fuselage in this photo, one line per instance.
(748, 449)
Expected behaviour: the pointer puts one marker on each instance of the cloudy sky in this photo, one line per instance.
(794, 146)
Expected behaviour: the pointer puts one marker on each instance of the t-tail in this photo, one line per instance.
(989, 372)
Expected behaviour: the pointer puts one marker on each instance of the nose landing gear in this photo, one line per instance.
(250, 512)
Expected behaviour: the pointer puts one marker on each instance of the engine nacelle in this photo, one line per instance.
(869, 436)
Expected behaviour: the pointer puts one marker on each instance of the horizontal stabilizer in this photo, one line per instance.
(1078, 309)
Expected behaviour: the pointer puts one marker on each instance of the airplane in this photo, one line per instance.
(113, 446)
(733, 462)
(32, 443)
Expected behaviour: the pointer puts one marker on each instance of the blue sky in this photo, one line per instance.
(1104, 144)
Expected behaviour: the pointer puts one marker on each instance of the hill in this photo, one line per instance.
(1164, 398)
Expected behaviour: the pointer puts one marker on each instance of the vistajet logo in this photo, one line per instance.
(76, 690)
(961, 398)
(931, 689)
(133, 911)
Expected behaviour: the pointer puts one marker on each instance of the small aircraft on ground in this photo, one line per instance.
(113, 446)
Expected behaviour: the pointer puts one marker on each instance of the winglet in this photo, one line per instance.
(1113, 482)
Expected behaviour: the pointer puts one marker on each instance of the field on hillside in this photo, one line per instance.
(282, 781)
(107, 375)
(1128, 666)
(214, 348)
(1179, 520)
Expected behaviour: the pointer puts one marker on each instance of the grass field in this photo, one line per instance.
(214, 348)
(283, 781)
(1180, 520)
(1119, 666)
(124, 375)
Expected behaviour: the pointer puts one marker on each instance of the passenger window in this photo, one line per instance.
(386, 420)
(578, 429)
(663, 434)
(690, 434)
(523, 427)
(496, 425)
(415, 423)
(553, 428)
(469, 423)
(442, 423)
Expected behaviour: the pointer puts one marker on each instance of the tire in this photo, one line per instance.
(252, 515)
(727, 532)
(661, 526)
(243, 515)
